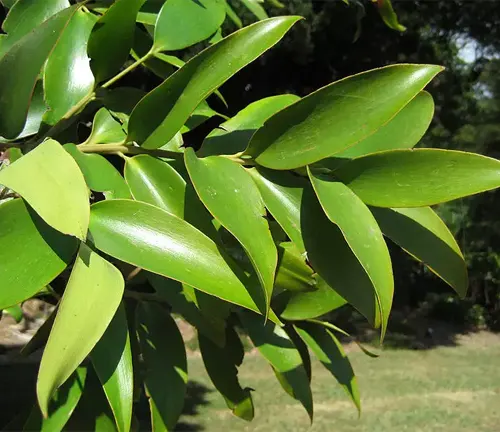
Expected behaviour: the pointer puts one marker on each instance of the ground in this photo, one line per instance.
(449, 389)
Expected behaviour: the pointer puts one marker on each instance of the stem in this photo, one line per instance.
(125, 71)
(143, 296)
(126, 149)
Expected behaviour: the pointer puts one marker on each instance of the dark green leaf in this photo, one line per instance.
(337, 116)
(420, 177)
(234, 200)
(88, 305)
(162, 113)
(59, 194)
(293, 273)
(48, 254)
(327, 348)
(421, 233)
(112, 360)
(165, 365)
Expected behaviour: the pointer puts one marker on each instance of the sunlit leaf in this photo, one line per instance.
(105, 129)
(388, 15)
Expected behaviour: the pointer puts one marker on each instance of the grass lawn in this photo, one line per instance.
(452, 389)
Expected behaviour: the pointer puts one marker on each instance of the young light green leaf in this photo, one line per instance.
(307, 305)
(62, 405)
(24, 17)
(421, 233)
(55, 187)
(91, 298)
(229, 193)
(234, 135)
(420, 177)
(48, 254)
(67, 75)
(174, 32)
(100, 175)
(162, 113)
(112, 38)
(327, 348)
(339, 115)
(403, 131)
(255, 7)
(277, 348)
(389, 16)
(105, 129)
(362, 234)
(223, 373)
(165, 365)
(163, 243)
(27, 57)
(112, 360)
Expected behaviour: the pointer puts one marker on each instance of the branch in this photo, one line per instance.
(126, 149)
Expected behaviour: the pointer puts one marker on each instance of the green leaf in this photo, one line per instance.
(15, 312)
(233, 16)
(182, 23)
(420, 177)
(337, 116)
(61, 406)
(278, 349)
(302, 348)
(112, 360)
(120, 101)
(24, 17)
(327, 348)
(389, 16)
(306, 305)
(421, 233)
(143, 44)
(67, 74)
(162, 113)
(8, 3)
(27, 57)
(55, 187)
(48, 253)
(202, 113)
(293, 273)
(100, 175)
(223, 373)
(229, 193)
(362, 234)
(112, 39)
(88, 305)
(403, 131)
(164, 244)
(165, 365)
(254, 7)
(234, 135)
(105, 129)
(282, 195)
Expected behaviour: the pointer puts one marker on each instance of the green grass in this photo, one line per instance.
(450, 389)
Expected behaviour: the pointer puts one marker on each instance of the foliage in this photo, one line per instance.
(283, 208)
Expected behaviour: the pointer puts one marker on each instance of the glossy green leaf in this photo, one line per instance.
(61, 406)
(337, 116)
(112, 360)
(26, 58)
(223, 373)
(8, 3)
(307, 305)
(234, 135)
(48, 254)
(234, 200)
(282, 195)
(111, 41)
(421, 233)
(91, 298)
(151, 238)
(165, 365)
(389, 16)
(174, 32)
(100, 175)
(255, 7)
(175, 144)
(362, 234)
(278, 349)
(24, 17)
(329, 351)
(178, 297)
(58, 194)
(403, 131)
(293, 274)
(15, 312)
(105, 129)
(420, 177)
(161, 114)
(67, 74)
